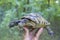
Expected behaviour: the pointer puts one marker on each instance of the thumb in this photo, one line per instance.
(26, 29)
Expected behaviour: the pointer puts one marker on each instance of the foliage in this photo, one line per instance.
(14, 9)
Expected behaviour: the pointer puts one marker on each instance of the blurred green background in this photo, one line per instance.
(14, 9)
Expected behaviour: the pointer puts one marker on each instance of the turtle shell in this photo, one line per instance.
(36, 19)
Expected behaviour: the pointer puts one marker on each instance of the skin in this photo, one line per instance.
(30, 36)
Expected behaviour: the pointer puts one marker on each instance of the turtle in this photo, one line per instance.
(35, 20)
(32, 21)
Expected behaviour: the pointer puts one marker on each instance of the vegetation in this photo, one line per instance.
(14, 9)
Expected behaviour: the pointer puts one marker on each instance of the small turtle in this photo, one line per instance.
(35, 20)
(32, 21)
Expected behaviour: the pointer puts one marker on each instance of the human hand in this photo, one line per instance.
(30, 36)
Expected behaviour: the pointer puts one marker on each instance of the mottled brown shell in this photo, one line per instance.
(36, 20)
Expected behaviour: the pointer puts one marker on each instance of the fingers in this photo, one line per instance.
(39, 32)
(26, 30)
(27, 35)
